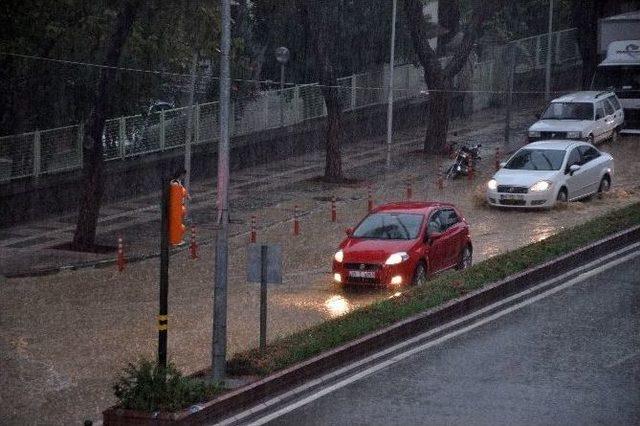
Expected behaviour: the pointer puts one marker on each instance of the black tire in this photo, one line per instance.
(605, 185)
(465, 259)
(563, 195)
(451, 172)
(420, 274)
(614, 136)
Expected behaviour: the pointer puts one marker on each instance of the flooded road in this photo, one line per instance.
(65, 337)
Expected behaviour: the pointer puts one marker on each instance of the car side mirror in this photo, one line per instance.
(573, 168)
(349, 231)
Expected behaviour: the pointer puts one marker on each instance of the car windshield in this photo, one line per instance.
(390, 226)
(568, 111)
(619, 78)
(536, 159)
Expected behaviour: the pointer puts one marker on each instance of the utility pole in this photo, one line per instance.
(219, 341)
(390, 94)
(547, 75)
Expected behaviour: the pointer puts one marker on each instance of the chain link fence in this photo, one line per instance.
(55, 150)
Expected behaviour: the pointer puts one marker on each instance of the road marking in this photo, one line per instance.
(603, 266)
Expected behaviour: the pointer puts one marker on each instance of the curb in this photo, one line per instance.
(228, 404)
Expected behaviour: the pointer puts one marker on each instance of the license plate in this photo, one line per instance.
(362, 274)
(511, 197)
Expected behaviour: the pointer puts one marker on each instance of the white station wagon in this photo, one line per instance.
(541, 173)
(590, 116)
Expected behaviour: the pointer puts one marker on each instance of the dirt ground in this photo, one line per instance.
(63, 338)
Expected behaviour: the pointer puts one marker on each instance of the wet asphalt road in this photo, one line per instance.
(572, 358)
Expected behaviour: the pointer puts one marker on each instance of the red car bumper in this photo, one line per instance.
(373, 274)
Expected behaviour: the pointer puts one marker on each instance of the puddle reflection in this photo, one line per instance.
(337, 305)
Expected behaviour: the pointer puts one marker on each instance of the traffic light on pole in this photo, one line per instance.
(177, 211)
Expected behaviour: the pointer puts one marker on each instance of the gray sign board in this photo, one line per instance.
(273, 261)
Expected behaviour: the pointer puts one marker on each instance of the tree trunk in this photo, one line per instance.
(437, 122)
(93, 162)
(333, 162)
(438, 78)
(321, 23)
(449, 18)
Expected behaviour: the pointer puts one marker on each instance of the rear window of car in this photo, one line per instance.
(536, 159)
(608, 108)
(568, 111)
(390, 226)
(614, 102)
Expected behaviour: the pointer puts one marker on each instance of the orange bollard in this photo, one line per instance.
(252, 234)
(497, 158)
(333, 209)
(120, 259)
(369, 198)
(296, 223)
(193, 247)
(409, 191)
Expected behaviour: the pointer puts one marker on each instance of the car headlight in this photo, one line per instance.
(534, 134)
(396, 258)
(543, 185)
(339, 256)
(574, 135)
(492, 184)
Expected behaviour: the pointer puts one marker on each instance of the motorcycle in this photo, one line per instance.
(465, 159)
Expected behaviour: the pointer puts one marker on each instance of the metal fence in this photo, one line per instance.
(50, 151)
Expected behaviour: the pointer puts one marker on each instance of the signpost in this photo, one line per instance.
(264, 266)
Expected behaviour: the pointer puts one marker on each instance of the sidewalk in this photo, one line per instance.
(28, 249)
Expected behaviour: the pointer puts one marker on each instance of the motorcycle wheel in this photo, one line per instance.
(451, 172)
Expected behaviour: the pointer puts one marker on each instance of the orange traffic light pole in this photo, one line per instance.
(172, 231)
(164, 274)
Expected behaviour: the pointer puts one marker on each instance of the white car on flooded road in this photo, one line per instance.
(541, 173)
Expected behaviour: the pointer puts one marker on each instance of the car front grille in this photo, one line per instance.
(553, 135)
(513, 189)
(513, 202)
(362, 266)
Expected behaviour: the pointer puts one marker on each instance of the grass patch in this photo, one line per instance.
(147, 387)
(335, 332)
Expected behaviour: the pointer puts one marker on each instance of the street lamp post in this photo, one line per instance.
(390, 94)
(219, 341)
(547, 75)
(282, 56)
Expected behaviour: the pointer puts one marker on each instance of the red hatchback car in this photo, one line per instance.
(401, 243)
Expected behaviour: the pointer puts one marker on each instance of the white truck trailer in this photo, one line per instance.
(619, 43)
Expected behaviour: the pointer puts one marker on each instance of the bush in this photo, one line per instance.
(148, 387)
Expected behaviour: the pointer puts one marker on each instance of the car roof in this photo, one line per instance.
(411, 206)
(585, 96)
(554, 144)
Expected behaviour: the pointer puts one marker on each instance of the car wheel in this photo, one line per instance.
(420, 274)
(605, 185)
(563, 196)
(614, 135)
(466, 258)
